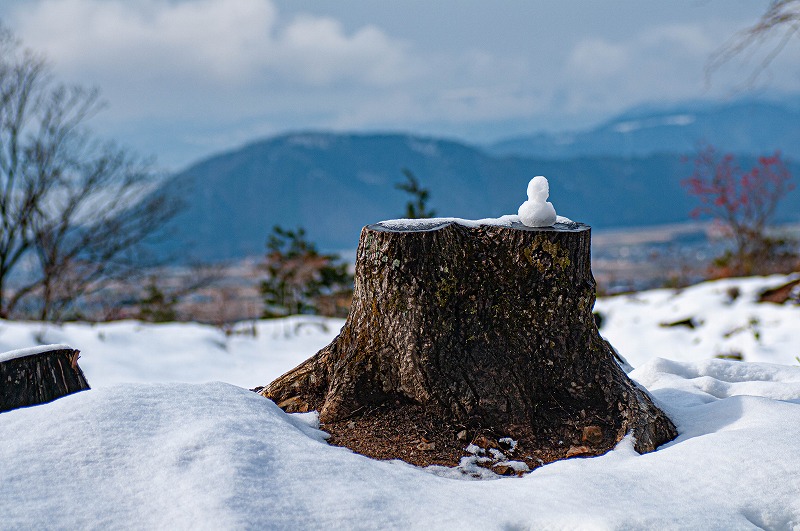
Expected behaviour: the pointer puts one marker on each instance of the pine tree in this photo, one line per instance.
(298, 274)
(417, 207)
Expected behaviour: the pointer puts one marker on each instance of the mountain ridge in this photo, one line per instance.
(748, 126)
(333, 184)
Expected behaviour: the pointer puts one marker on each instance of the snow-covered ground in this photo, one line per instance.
(249, 355)
(726, 320)
(209, 455)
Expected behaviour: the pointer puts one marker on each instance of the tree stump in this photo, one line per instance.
(38, 375)
(464, 332)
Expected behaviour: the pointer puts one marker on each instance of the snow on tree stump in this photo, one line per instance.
(38, 375)
(461, 332)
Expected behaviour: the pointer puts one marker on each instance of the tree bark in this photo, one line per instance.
(486, 328)
(39, 378)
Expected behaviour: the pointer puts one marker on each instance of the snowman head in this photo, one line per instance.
(538, 189)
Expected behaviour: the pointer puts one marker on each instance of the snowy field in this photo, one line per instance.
(161, 443)
(251, 354)
(721, 325)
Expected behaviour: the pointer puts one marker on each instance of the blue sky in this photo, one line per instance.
(185, 79)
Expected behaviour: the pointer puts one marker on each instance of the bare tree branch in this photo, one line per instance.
(782, 18)
(74, 211)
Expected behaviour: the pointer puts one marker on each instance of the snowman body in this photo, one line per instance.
(537, 211)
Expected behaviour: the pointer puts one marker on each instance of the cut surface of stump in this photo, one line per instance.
(462, 334)
(38, 375)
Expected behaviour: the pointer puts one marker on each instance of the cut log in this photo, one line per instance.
(38, 375)
(483, 328)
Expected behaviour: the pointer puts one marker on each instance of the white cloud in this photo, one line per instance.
(661, 48)
(690, 39)
(665, 62)
(320, 51)
(223, 42)
(195, 73)
(153, 39)
(597, 59)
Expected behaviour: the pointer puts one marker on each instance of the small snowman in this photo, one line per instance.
(537, 211)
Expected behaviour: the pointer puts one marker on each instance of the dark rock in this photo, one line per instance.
(426, 446)
(689, 322)
(575, 451)
(733, 355)
(485, 442)
(789, 292)
(504, 470)
(592, 435)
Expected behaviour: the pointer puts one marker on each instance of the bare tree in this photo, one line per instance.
(744, 203)
(765, 39)
(74, 210)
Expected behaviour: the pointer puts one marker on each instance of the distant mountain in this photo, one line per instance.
(334, 184)
(751, 127)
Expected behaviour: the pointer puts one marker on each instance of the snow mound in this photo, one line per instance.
(216, 456)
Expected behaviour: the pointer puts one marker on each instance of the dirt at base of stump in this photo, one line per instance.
(406, 432)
